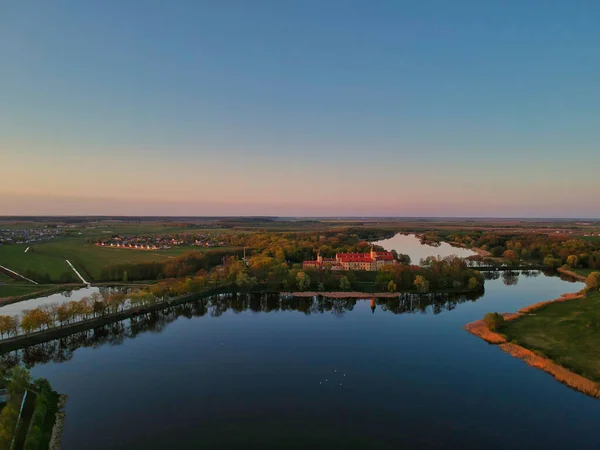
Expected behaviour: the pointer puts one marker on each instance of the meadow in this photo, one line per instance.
(15, 258)
(568, 333)
(49, 257)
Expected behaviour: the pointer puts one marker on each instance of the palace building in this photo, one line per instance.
(352, 261)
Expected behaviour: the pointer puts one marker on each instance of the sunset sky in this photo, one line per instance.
(303, 108)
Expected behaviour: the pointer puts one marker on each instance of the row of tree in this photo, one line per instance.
(54, 314)
(551, 250)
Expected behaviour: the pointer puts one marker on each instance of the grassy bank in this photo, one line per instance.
(565, 332)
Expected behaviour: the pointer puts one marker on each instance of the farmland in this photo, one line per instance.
(15, 258)
(49, 257)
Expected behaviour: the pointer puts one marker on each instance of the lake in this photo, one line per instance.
(410, 245)
(263, 371)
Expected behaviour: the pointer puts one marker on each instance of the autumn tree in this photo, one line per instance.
(572, 261)
(8, 325)
(510, 256)
(592, 282)
(302, 280)
(391, 286)
(421, 284)
(473, 284)
(493, 320)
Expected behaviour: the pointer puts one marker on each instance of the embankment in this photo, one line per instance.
(565, 376)
(571, 274)
(343, 294)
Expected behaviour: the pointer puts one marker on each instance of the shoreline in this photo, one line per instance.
(558, 372)
(571, 274)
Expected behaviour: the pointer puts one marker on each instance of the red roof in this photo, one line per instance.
(387, 256)
(355, 257)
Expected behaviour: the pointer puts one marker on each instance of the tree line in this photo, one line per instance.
(549, 250)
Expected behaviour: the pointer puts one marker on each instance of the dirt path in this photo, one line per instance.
(77, 273)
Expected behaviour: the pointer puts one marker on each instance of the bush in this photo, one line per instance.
(493, 320)
(592, 282)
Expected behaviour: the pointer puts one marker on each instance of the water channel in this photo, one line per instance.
(263, 372)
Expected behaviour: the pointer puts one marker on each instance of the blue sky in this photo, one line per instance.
(300, 108)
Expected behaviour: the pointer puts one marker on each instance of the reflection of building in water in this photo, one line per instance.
(373, 305)
(353, 261)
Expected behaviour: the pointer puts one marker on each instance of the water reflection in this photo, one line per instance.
(61, 350)
(61, 297)
(409, 244)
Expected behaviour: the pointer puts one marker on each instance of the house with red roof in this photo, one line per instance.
(372, 261)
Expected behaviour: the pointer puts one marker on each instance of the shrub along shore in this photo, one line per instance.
(562, 336)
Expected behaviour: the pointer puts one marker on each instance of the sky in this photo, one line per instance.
(300, 108)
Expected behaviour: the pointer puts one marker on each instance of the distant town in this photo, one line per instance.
(162, 242)
(28, 235)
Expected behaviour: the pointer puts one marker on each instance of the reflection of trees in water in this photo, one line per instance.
(60, 350)
(510, 278)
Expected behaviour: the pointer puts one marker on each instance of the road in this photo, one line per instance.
(77, 273)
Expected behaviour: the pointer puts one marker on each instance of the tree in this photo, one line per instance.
(572, 261)
(404, 259)
(243, 281)
(280, 255)
(493, 320)
(8, 325)
(592, 282)
(303, 281)
(498, 250)
(391, 286)
(421, 284)
(510, 256)
(550, 261)
(344, 284)
(473, 284)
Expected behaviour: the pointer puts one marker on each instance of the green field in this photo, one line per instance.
(18, 289)
(89, 259)
(584, 272)
(566, 332)
(5, 278)
(15, 258)
(591, 238)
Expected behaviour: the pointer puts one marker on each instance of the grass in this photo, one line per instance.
(89, 259)
(584, 272)
(19, 289)
(567, 333)
(15, 258)
(5, 278)
(591, 238)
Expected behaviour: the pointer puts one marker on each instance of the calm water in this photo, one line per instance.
(411, 246)
(63, 297)
(255, 373)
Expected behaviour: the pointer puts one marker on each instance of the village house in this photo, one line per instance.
(372, 261)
